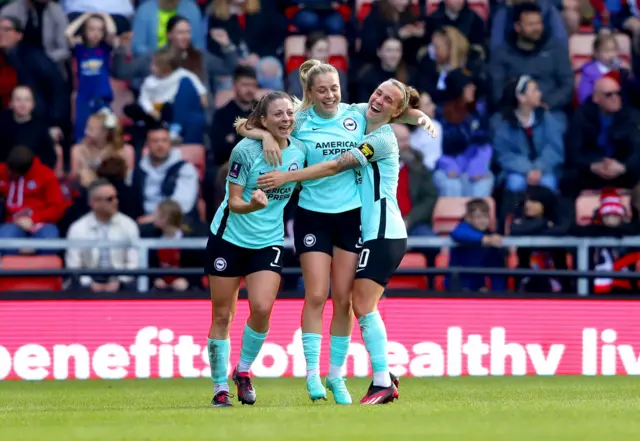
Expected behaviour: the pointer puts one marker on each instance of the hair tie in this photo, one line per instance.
(523, 81)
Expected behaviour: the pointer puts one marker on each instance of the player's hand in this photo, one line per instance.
(259, 199)
(272, 180)
(271, 151)
(428, 125)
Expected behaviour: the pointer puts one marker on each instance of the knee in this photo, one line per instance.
(447, 187)
(261, 311)
(222, 317)
(48, 231)
(361, 306)
(9, 230)
(315, 300)
(342, 304)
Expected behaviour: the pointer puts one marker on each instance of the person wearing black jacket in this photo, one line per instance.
(603, 149)
(458, 14)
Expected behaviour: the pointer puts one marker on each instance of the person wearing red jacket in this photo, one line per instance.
(33, 197)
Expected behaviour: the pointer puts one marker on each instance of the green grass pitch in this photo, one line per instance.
(442, 409)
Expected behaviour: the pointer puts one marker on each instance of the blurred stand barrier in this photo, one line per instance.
(581, 245)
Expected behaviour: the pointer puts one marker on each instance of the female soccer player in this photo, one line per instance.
(327, 225)
(383, 229)
(246, 239)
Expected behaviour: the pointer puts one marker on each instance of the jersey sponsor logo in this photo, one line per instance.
(220, 264)
(279, 194)
(293, 167)
(234, 170)
(350, 124)
(332, 148)
(367, 150)
(309, 240)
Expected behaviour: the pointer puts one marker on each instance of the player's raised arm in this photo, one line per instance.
(239, 206)
(270, 147)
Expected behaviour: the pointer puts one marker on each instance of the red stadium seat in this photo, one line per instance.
(581, 49)
(410, 260)
(442, 261)
(294, 52)
(195, 154)
(27, 283)
(450, 211)
(587, 204)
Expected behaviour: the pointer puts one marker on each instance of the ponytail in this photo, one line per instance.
(309, 70)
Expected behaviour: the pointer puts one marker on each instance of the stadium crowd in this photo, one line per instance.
(117, 118)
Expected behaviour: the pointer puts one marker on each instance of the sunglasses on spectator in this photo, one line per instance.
(612, 93)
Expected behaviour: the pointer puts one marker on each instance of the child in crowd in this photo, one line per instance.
(92, 51)
(480, 248)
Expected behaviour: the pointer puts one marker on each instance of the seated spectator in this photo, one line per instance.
(530, 52)
(389, 65)
(604, 147)
(458, 14)
(449, 50)
(392, 18)
(464, 167)
(605, 62)
(44, 23)
(422, 141)
(163, 174)
(541, 214)
(317, 48)
(479, 248)
(505, 17)
(256, 28)
(92, 52)
(206, 66)
(624, 16)
(174, 95)
(102, 139)
(120, 11)
(270, 74)
(103, 224)
(417, 196)
(33, 201)
(318, 15)
(528, 142)
(23, 64)
(169, 225)
(150, 24)
(19, 126)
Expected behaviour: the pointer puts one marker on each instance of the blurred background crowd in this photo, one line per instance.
(117, 120)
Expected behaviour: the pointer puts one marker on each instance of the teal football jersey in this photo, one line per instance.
(262, 228)
(326, 139)
(378, 154)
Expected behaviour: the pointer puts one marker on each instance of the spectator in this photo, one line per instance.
(163, 174)
(33, 199)
(604, 147)
(317, 48)
(19, 126)
(92, 52)
(174, 95)
(102, 139)
(605, 62)
(625, 17)
(458, 14)
(103, 224)
(270, 74)
(392, 18)
(422, 141)
(417, 196)
(449, 50)
(206, 66)
(170, 226)
(389, 65)
(152, 17)
(480, 248)
(121, 11)
(44, 23)
(25, 65)
(528, 143)
(541, 214)
(256, 27)
(318, 15)
(506, 16)
(530, 52)
(464, 167)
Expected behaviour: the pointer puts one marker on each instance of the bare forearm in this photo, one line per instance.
(317, 171)
(253, 133)
(238, 206)
(411, 117)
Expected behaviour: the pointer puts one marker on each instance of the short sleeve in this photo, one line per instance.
(239, 166)
(376, 146)
(300, 118)
(300, 145)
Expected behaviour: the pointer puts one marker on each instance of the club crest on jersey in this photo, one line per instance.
(367, 150)
(234, 170)
(350, 124)
(293, 167)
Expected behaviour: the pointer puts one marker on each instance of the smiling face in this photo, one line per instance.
(385, 103)
(279, 119)
(325, 93)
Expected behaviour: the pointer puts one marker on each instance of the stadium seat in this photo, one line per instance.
(195, 154)
(410, 260)
(30, 283)
(481, 7)
(223, 97)
(581, 49)
(587, 204)
(294, 52)
(363, 8)
(449, 211)
(442, 261)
